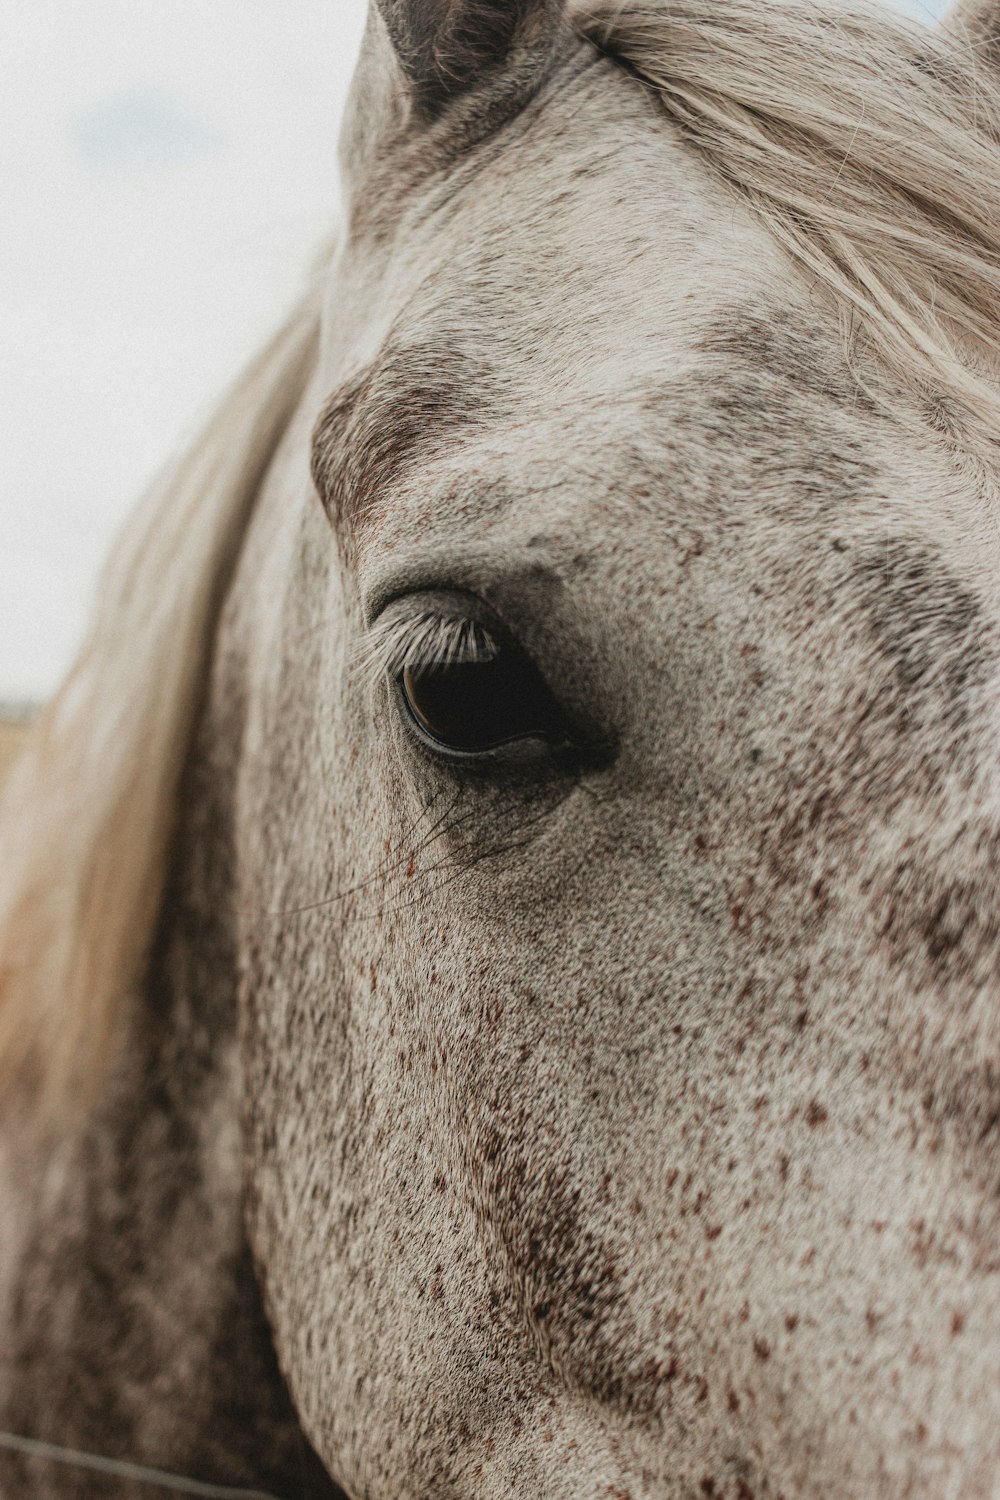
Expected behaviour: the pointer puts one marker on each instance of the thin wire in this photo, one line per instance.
(56, 1454)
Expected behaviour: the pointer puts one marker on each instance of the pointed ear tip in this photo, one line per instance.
(973, 15)
(445, 46)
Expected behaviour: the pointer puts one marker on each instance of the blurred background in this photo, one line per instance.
(166, 171)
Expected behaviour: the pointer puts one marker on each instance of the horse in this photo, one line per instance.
(499, 927)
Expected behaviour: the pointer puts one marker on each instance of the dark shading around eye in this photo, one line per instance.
(476, 706)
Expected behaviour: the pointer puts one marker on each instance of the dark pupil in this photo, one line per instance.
(475, 705)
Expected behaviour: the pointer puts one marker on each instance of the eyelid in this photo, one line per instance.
(424, 631)
(392, 644)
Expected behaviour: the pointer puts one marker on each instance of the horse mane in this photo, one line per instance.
(88, 813)
(869, 146)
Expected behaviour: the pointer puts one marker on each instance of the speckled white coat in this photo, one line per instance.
(623, 1126)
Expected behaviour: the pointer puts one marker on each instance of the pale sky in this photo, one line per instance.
(166, 170)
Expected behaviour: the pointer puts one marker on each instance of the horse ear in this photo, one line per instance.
(447, 48)
(477, 60)
(979, 21)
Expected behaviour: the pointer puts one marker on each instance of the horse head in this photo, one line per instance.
(602, 727)
(622, 1021)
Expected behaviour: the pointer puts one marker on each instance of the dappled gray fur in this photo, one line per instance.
(615, 1113)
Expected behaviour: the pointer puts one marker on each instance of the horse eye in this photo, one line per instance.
(479, 705)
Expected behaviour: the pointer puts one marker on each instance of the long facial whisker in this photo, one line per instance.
(118, 1468)
(418, 899)
(390, 909)
(385, 868)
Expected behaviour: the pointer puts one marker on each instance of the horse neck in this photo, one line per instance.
(136, 1328)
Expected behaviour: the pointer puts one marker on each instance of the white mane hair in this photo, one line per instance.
(88, 812)
(869, 145)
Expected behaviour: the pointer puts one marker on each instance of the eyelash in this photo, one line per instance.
(423, 641)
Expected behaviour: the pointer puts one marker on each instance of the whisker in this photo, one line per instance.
(405, 849)
(391, 909)
(121, 1469)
